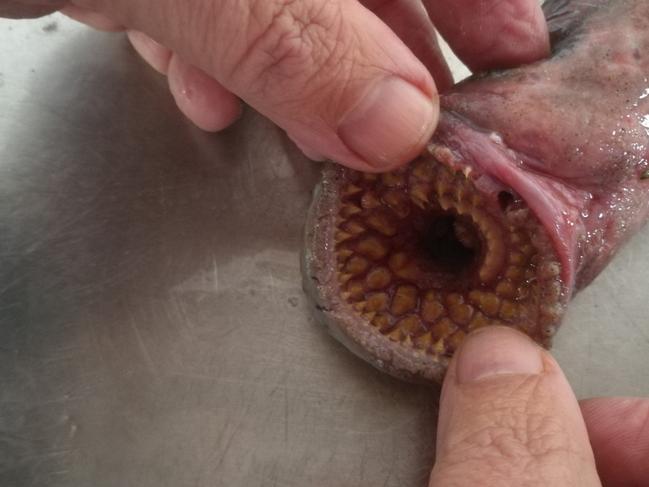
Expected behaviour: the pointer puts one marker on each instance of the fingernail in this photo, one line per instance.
(391, 123)
(494, 351)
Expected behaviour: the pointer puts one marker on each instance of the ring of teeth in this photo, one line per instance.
(424, 259)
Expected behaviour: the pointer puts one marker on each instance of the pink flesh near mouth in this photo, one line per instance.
(558, 206)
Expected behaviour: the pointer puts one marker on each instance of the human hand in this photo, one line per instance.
(339, 76)
(508, 417)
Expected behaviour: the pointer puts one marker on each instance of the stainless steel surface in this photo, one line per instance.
(153, 330)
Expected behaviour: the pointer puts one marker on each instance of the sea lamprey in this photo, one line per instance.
(533, 180)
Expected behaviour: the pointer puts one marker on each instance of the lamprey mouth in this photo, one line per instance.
(403, 265)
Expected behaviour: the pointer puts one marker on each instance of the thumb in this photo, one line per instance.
(508, 417)
(329, 72)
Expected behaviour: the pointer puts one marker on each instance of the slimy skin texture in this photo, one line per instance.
(533, 180)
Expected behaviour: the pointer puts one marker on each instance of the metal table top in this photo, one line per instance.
(153, 330)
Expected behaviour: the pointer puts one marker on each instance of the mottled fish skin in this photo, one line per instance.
(579, 120)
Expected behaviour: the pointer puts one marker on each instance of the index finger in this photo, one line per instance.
(21, 9)
(618, 428)
(489, 34)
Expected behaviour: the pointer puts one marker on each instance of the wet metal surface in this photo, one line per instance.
(153, 331)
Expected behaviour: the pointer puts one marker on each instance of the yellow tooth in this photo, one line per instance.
(487, 302)
(378, 278)
(424, 171)
(460, 313)
(360, 306)
(410, 325)
(516, 258)
(381, 321)
(343, 254)
(464, 208)
(548, 270)
(527, 249)
(373, 247)
(443, 328)
(342, 236)
(454, 298)
(443, 183)
(492, 263)
(505, 289)
(478, 321)
(382, 224)
(370, 201)
(398, 202)
(550, 314)
(356, 265)
(455, 340)
(354, 227)
(554, 290)
(377, 302)
(396, 335)
(514, 273)
(349, 210)
(420, 192)
(438, 347)
(405, 300)
(516, 238)
(351, 190)
(458, 310)
(508, 311)
(392, 179)
(431, 309)
(445, 202)
(369, 316)
(461, 192)
(370, 177)
(356, 289)
(398, 260)
(409, 273)
(423, 342)
(343, 278)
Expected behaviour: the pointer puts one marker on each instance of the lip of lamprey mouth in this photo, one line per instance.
(417, 258)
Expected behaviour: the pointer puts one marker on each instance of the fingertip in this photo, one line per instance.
(91, 18)
(505, 405)
(410, 21)
(201, 98)
(494, 351)
(520, 39)
(494, 34)
(307, 150)
(390, 124)
(619, 433)
(155, 54)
